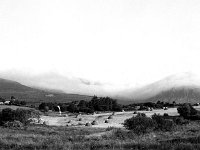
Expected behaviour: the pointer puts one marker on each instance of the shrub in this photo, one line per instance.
(120, 134)
(13, 124)
(22, 115)
(165, 115)
(186, 110)
(110, 128)
(180, 121)
(194, 117)
(142, 114)
(168, 125)
(140, 124)
(162, 123)
(7, 114)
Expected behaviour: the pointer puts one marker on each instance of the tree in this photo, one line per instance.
(82, 104)
(42, 106)
(72, 108)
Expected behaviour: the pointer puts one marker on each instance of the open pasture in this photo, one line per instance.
(116, 120)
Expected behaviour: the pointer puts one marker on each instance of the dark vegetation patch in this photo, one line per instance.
(95, 104)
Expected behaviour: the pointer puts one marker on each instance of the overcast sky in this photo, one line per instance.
(123, 43)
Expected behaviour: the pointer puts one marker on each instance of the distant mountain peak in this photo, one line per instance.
(182, 81)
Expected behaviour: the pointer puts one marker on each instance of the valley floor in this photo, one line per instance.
(116, 121)
(60, 134)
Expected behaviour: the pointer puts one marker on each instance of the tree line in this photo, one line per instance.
(95, 104)
(145, 105)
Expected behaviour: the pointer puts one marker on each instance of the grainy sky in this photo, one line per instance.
(124, 43)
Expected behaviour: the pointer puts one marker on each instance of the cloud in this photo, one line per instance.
(87, 82)
(106, 44)
(58, 82)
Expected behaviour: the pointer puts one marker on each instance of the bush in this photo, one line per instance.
(140, 124)
(120, 134)
(7, 114)
(186, 110)
(17, 102)
(165, 115)
(180, 121)
(13, 124)
(162, 123)
(142, 114)
(22, 115)
(194, 117)
(110, 128)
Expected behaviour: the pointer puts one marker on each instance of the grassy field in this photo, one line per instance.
(13, 107)
(53, 118)
(33, 137)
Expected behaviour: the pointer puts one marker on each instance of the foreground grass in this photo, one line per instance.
(67, 138)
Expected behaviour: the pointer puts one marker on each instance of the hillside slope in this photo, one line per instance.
(33, 95)
(175, 86)
(179, 95)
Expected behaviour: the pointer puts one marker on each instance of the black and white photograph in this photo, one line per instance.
(99, 75)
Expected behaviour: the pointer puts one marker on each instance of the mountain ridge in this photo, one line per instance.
(178, 94)
(10, 88)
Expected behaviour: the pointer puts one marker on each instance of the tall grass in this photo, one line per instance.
(74, 138)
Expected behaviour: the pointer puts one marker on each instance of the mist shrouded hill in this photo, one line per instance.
(184, 87)
(10, 88)
(179, 95)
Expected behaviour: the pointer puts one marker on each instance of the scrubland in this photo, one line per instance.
(77, 138)
(39, 136)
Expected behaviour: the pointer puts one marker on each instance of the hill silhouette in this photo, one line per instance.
(10, 88)
(178, 94)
